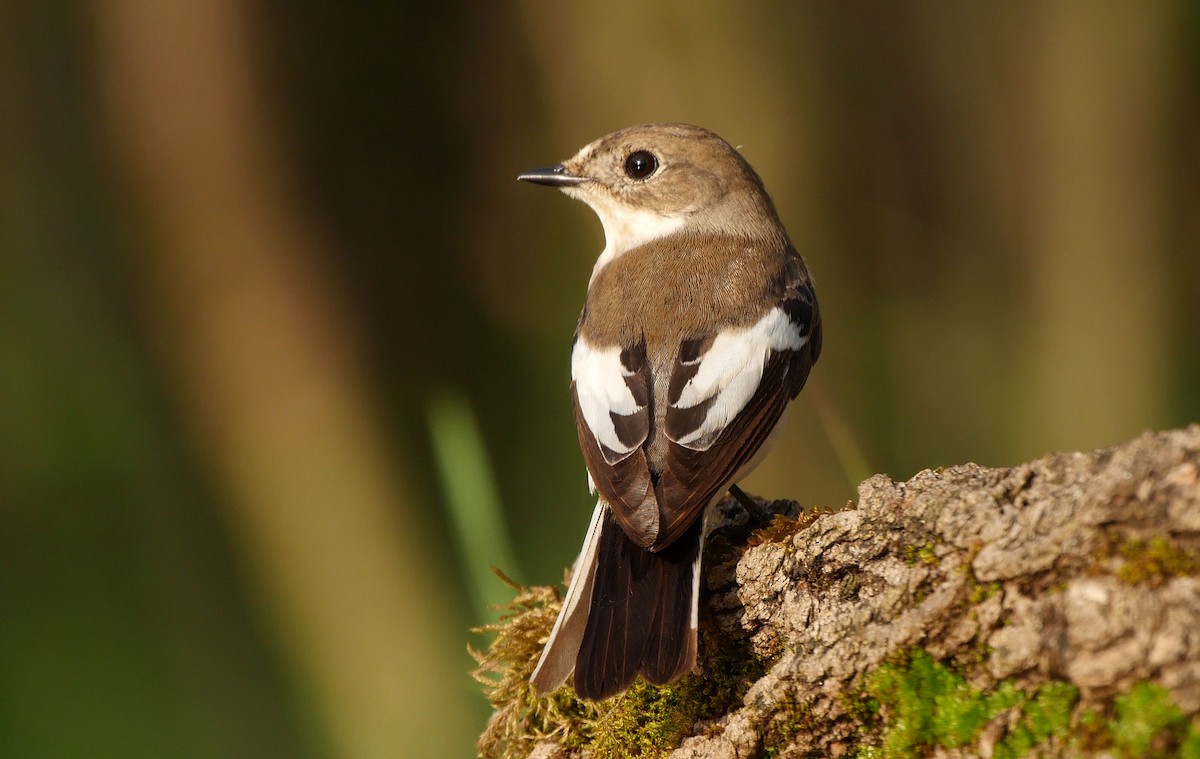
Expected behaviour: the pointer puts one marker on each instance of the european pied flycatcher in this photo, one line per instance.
(700, 326)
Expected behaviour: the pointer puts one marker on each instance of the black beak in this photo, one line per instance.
(552, 176)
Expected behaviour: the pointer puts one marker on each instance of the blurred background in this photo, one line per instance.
(284, 345)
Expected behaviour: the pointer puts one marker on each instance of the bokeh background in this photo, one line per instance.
(284, 345)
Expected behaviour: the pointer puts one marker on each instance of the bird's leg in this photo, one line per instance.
(752, 508)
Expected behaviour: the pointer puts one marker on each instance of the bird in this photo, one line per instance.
(699, 326)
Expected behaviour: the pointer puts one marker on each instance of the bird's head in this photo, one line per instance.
(653, 180)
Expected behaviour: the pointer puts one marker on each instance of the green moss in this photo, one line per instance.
(923, 554)
(649, 721)
(781, 528)
(1047, 714)
(981, 592)
(849, 587)
(1091, 731)
(925, 704)
(522, 718)
(927, 555)
(644, 721)
(1144, 722)
(1191, 745)
(860, 708)
(791, 721)
(1153, 561)
(1147, 723)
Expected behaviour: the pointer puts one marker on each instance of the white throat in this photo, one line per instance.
(626, 228)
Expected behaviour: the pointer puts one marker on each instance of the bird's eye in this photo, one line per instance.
(640, 164)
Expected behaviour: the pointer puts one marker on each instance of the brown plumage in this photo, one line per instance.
(700, 325)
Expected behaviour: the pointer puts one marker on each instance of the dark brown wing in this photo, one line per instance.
(619, 469)
(656, 501)
(693, 478)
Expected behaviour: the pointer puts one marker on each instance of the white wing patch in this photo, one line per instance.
(731, 370)
(600, 386)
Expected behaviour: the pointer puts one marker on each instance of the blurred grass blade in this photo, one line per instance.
(474, 502)
(845, 444)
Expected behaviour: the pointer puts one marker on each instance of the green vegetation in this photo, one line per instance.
(925, 704)
(645, 721)
(472, 497)
(781, 528)
(522, 718)
(907, 707)
(649, 721)
(781, 732)
(981, 592)
(1147, 723)
(923, 554)
(1047, 714)
(1153, 561)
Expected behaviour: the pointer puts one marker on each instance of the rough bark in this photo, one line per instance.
(1077, 568)
(1069, 604)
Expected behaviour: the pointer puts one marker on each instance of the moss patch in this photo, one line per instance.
(1047, 714)
(1151, 561)
(791, 720)
(649, 721)
(907, 708)
(1147, 723)
(644, 721)
(924, 704)
(980, 592)
(925, 554)
(783, 527)
(521, 718)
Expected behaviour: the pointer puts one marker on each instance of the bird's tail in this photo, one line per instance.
(558, 657)
(627, 612)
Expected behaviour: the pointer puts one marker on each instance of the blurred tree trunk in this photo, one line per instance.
(268, 366)
(1096, 205)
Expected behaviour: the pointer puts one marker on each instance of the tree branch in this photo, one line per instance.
(966, 612)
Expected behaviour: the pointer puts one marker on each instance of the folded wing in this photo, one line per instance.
(724, 394)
